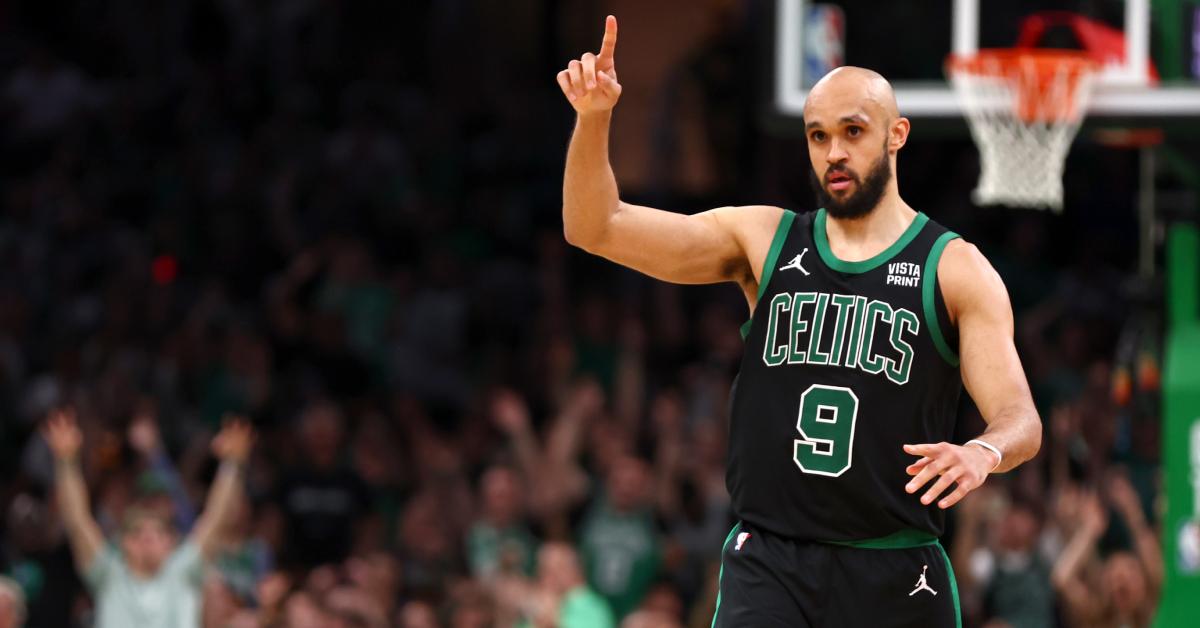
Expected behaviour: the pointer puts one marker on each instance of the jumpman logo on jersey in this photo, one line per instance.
(795, 263)
(922, 584)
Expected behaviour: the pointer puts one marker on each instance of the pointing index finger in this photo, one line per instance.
(919, 450)
(609, 46)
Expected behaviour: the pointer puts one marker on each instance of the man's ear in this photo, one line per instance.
(898, 134)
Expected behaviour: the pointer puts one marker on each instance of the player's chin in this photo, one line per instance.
(842, 195)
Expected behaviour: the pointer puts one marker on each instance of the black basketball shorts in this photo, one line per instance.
(771, 581)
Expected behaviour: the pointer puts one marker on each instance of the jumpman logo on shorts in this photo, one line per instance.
(795, 263)
(922, 584)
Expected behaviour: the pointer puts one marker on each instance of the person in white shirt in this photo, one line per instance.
(151, 580)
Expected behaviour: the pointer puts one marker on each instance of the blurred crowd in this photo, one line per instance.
(340, 220)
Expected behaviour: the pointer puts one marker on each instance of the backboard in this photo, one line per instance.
(908, 42)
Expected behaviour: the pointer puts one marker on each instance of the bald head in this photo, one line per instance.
(857, 83)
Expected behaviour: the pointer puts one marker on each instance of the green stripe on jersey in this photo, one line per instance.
(781, 231)
(832, 261)
(928, 285)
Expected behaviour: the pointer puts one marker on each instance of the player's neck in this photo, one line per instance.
(862, 238)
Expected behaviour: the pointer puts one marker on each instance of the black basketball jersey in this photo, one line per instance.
(845, 362)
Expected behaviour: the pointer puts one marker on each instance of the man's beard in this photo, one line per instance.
(864, 199)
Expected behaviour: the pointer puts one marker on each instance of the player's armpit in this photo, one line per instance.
(721, 244)
(978, 304)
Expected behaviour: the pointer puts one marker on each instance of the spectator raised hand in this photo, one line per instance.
(145, 438)
(232, 446)
(1145, 544)
(1067, 576)
(143, 434)
(511, 415)
(234, 442)
(1123, 497)
(509, 412)
(62, 434)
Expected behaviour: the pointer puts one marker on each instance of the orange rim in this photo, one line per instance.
(1045, 80)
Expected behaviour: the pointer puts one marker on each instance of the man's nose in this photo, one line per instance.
(837, 154)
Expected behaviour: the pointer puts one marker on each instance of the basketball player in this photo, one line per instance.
(867, 319)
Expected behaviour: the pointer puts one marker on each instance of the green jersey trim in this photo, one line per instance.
(721, 572)
(781, 231)
(928, 285)
(953, 587)
(903, 539)
(832, 261)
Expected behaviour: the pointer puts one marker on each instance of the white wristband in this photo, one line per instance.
(990, 447)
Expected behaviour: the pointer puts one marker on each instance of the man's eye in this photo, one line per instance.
(854, 131)
(818, 136)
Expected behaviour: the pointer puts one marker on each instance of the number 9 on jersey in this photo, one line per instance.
(826, 426)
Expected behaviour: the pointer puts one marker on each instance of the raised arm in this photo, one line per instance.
(969, 536)
(1067, 574)
(62, 434)
(144, 437)
(232, 447)
(710, 247)
(511, 414)
(991, 371)
(1145, 543)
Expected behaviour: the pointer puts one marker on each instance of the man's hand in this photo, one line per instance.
(62, 434)
(1123, 496)
(143, 433)
(510, 413)
(61, 431)
(234, 441)
(1093, 517)
(232, 445)
(585, 400)
(590, 82)
(968, 466)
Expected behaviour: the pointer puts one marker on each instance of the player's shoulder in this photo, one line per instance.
(962, 258)
(967, 277)
(959, 253)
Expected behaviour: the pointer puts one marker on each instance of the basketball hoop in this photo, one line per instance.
(1024, 107)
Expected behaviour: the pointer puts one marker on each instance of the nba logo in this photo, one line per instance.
(824, 41)
(741, 540)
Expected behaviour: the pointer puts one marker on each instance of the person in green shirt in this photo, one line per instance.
(149, 581)
(619, 540)
(499, 541)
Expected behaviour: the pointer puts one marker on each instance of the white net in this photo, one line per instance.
(1023, 112)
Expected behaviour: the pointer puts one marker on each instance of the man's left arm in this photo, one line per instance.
(991, 371)
(232, 447)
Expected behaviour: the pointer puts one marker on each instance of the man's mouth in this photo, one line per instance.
(839, 181)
